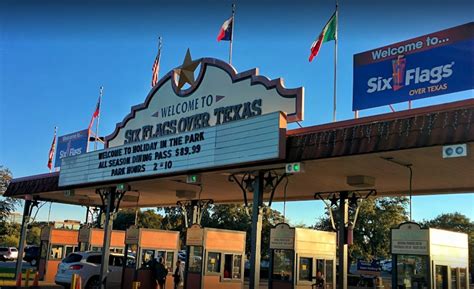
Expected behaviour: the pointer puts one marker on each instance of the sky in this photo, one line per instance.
(54, 56)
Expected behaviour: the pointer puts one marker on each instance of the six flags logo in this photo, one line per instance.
(402, 77)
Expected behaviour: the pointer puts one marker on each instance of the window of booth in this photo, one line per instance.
(169, 261)
(56, 252)
(213, 262)
(232, 266)
(116, 250)
(454, 278)
(132, 256)
(96, 249)
(462, 278)
(329, 273)
(306, 269)
(83, 246)
(412, 271)
(441, 275)
(283, 265)
(195, 259)
(147, 257)
(68, 250)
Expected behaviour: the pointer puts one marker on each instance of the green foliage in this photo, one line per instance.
(33, 237)
(146, 219)
(372, 230)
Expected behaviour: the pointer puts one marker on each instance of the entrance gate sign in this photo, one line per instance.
(257, 139)
(433, 64)
(71, 144)
(223, 119)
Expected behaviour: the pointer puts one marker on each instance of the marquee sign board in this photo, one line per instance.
(219, 96)
(257, 139)
(223, 119)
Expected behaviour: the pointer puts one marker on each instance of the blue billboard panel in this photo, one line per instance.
(70, 145)
(429, 65)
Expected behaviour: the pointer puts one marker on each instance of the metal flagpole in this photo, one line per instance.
(335, 67)
(232, 34)
(98, 118)
(160, 43)
(54, 150)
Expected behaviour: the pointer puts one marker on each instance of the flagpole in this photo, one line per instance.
(54, 149)
(335, 67)
(160, 43)
(98, 118)
(232, 34)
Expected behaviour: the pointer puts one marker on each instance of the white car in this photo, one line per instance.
(87, 265)
(8, 253)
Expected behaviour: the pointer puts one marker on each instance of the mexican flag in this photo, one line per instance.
(328, 34)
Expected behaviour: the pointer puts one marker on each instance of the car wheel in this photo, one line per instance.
(93, 283)
(33, 262)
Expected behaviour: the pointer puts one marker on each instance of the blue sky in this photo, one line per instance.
(54, 55)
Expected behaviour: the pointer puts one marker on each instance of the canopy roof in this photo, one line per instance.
(330, 153)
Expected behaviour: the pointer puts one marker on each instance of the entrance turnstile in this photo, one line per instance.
(425, 258)
(215, 258)
(146, 245)
(56, 244)
(299, 257)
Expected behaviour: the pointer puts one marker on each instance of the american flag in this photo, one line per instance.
(156, 69)
(51, 151)
(95, 114)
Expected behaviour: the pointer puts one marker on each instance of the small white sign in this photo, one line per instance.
(409, 247)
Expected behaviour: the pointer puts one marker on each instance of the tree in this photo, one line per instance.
(7, 205)
(371, 235)
(455, 222)
(146, 219)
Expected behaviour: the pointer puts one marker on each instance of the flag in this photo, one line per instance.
(328, 34)
(156, 69)
(51, 152)
(226, 30)
(95, 114)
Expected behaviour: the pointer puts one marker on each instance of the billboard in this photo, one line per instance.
(426, 66)
(70, 145)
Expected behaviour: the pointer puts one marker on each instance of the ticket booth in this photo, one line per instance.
(92, 239)
(298, 256)
(56, 244)
(426, 258)
(146, 245)
(215, 258)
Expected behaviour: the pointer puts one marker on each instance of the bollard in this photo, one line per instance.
(78, 282)
(135, 285)
(27, 278)
(36, 280)
(18, 281)
(73, 281)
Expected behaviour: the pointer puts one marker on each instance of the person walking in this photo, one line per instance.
(160, 273)
(178, 275)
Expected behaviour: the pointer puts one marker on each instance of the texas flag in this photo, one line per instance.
(226, 30)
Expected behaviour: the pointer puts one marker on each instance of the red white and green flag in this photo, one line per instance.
(328, 34)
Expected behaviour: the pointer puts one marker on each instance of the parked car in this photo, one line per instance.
(87, 265)
(32, 254)
(8, 253)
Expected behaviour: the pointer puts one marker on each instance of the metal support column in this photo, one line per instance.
(343, 212)
(104, 267)
(24, 225)
(256, 233)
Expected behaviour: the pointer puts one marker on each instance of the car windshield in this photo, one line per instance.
(3, 249)
(72, 258)
(14, 250)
